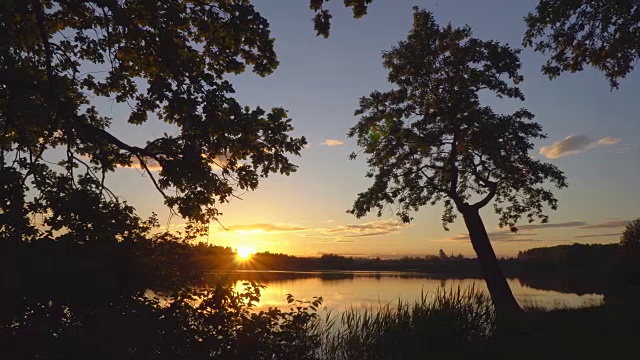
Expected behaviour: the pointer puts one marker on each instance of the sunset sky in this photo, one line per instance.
(593, 137)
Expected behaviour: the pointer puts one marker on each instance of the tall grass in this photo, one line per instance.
(451, 321)
(531, 305)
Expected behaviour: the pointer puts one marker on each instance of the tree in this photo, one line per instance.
(165, 59)
(168, 61)
(431, 141)
(600, 33)
(630, 237)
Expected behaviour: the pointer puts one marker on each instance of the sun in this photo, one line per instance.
(244, 252)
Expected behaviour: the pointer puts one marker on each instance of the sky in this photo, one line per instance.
(592, 136)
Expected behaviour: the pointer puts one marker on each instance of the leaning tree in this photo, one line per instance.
(430, 140)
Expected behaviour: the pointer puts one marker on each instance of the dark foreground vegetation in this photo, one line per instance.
(90, 301)
(219, 323)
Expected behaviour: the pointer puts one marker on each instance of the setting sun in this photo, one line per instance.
(244, 252)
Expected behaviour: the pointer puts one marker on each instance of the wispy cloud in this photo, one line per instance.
(597, 235)
(574, 144)
(341, 233)
(152, 164)
(266, 228)
(609, 224)
(332, 142)
(525, 232)
(218, 162)
(625, 148)
(500, 236)
(552, 225)
(379, 227)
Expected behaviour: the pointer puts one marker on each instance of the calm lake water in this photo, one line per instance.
(347, 289)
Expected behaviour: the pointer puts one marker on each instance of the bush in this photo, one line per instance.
(217, 323)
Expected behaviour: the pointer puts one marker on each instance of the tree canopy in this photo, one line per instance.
(168, 61)
(431, 140)
(600, 33)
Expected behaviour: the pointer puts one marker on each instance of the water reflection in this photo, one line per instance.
(342, 289)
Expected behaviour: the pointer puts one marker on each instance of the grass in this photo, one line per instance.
(530, 305)
(457, 323)
(460, 320)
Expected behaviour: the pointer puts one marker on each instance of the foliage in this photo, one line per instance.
(322, 19)
(214, 323)
(630, 237)
(168, 61)
(427, 138)
(600, 33)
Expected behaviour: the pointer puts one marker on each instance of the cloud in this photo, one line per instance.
(341, 233)
(524, 232)
(266, 228)
(608, 141)
(379, 227)
(500, 236)
(152, 164)
(627, 148)
(551, 225)
(217, 162)
(609, 224)
(574, 144)
(597, 235)
(332, 142)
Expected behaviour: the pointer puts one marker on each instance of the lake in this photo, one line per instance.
(359, 289)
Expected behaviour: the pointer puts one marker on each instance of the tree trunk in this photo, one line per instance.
(505, 303)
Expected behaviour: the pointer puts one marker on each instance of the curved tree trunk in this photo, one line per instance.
(505, 303)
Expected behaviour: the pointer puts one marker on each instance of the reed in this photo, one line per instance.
(453, 320)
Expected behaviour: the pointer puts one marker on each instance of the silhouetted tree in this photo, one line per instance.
(628, 268)
(630, 237)
(71, 250)
(600, 33)
(167, 60)
(430, 140)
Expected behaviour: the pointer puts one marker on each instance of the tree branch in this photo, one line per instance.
(483, 182)
(433, 183)
(453, 169)
(493, 187)
(153, 179)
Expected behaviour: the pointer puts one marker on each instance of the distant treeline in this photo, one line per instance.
(578, 268)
